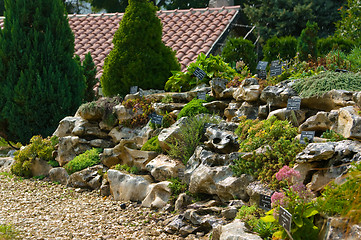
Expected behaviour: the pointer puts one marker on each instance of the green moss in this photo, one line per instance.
(84, 160)
(152, 145)
(193, 108)
(125, 167)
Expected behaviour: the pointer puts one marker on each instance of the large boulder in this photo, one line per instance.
(255, 189)
(6, 162)
(221, 140)
(249, 90)
(86, 129)
(320, 163)
(69, 147)
(219, 181)
(235, 230)
(158, 195)
(59, 174)
(349, 123)
(137, 158)
(163, 167)
(277, 96)
(322, 121)
(296, 117)
(138, 135)
(218, 85)
(248, 109)
(125, 187)
(331, 100)
(339, 228)
(40, 167)
(66, 126)
(89, 178)
(216, 107)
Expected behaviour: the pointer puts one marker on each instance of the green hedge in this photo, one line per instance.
(280, 48)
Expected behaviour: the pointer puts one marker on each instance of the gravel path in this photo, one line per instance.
(45, 210)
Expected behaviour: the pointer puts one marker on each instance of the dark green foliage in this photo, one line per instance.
(327, 81)
(280, 48)
(186, 4)
(307, 42)
(2, 7)
(40, 81)
(84, 160)
(89, 71)
(152, 145)
(280, 149)
(38, 148)
(325, 45)
(239, 49)
(139, 57)
(286, 17)
(214, 67)
(349, 25)
(193, 108)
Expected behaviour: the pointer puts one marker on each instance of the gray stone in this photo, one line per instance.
(59, 174)
(158, 195)
(218, 85)
(182, 201)
(6, 162)
(163, 167)
(250, 110)
(338, 228)
(220, 140)
(349, 123)
(231, 111)
(168, 134)
(277, 96)
(255, 189)
(296, 117)
(125, 187)
(69, 147)
(230, 213)
(216, 107)
(235, 230)
(316, 152)
(331, 100)
(318, 122)
(249, 91)
(88, 178)
(66, 126)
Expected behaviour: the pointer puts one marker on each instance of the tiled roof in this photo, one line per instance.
(188, 32)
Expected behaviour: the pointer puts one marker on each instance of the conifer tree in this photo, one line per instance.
(40, 81)
(89, 70)
(139, 56)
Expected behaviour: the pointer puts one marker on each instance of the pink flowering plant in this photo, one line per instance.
(297, 200)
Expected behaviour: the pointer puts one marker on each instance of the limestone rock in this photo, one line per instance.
(158, 195)
(349, 123)
(331, 100)
(123, 113)
(182, 201)
(66, 126)
(84, 128)
(277, 96)
(101, 143)
(137, 158)
(40, 167)
(249, 91)
(235, 230)
(227, 93)
(6, 162)
(284, 114)
(69, 148)
(231, 110)
(250, 110)
(220, 140)
(218, 181)
(255, 189)
(167, 107)
(59, 174)
(88, 178)
(216, 107)
(338, 228)
(167, 134)
(138, 135)
(318, 122)
(125, 187)
(163, 167)
(218, 85)
(316, 152)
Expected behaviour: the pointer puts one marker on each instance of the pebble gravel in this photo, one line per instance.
(40, 209)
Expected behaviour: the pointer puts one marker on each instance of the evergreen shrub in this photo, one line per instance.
(327, 81)
(214, 67)
(40, 81)
(193, 108)
(307, 42)
(280, 48)
(239, 49)
(38, 148)
(325, 45)
(84, 160)
(139, 57)
(89, 71)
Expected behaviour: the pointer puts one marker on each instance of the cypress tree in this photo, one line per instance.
(139, 56)
(40, 81)
(89, 70)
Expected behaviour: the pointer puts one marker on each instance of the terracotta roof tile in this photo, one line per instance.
(189, 32)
